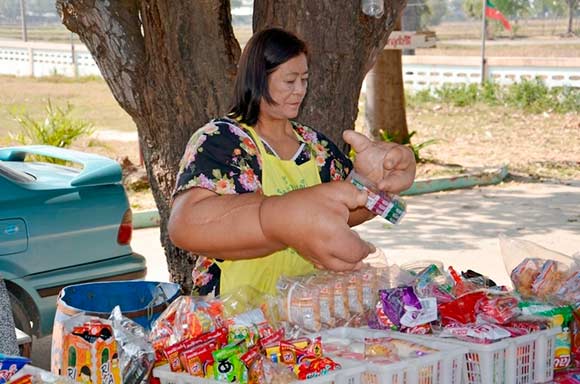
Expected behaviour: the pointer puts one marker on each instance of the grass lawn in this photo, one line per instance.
(92, 100)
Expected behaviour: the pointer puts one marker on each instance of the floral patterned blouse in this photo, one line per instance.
(222, 157)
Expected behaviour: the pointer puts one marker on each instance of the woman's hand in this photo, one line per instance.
(390, 166)
(314, 221)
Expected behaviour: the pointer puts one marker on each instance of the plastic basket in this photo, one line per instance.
(443, 367)
(350, 373)
(518, 360)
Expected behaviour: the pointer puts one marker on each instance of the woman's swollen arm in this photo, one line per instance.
(224, 227)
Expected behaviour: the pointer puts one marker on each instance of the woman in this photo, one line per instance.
(254, 192)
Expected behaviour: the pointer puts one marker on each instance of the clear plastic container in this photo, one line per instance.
(374, 8)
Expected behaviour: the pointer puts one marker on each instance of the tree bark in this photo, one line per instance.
(571, 6)
(385, 97)
(171, 66)
(343, 44)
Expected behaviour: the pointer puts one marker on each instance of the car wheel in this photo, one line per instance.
(21, 319)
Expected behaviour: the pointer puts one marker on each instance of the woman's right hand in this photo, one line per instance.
(314, 221)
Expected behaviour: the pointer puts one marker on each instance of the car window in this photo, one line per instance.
(14, 175)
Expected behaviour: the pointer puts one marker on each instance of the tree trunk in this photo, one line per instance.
(171, 66)
(343, 44)
(571, 9)
(385, 97)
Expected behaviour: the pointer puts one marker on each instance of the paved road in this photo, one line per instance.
(460, 228)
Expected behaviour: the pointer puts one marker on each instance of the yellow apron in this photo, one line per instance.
(278, 177)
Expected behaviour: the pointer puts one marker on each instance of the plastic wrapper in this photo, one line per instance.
(187, 317)
(476, 333)
(33, 375)
(10, 365)
(461, 310)
(498, 309)
(460, 285)
(325, 284)
(380, 350)
(432, 282)
(400, 305)
(90, 351)
(390, 207)
(559, 317)
(299, 303)
(532, 276)
(136, 355)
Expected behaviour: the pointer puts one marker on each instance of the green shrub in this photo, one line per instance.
(415, 148)
(420, 97)
(57, 128)
(567, 99)
(459, 95)
(490, 93)
(530, 95)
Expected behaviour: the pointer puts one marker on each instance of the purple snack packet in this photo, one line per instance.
(397, 301)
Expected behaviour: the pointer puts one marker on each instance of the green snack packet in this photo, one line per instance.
(560, 317)
(228, 366)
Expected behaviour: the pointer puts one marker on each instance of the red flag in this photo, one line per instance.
(493, 13)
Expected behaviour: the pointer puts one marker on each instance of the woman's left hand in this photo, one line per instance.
(390, 166)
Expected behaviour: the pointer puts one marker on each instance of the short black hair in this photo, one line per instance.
(263, 53)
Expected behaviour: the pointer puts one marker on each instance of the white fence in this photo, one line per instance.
(419, 72)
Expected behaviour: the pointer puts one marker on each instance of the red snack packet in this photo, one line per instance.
(199, 361)
(461, 310)
(253, 361)
(311, 367)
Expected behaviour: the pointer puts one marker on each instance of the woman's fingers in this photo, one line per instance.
(357, 141)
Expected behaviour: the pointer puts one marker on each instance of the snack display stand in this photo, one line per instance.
(351, 373)
(442, 367)
(521, 359)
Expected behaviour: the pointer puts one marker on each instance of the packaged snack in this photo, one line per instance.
(524, 275)
(369, 287)
(498, 309)
(299, 303)
(559, 317)
(9, 365)
(254, 363)
(341, 305)
(391, 208)
(476, 333)
(90, 351)
(549, 280)
(354, 292)
(228, 366)
(461, 310)
(312, 367)
(380, 347)
(397, 302)
(136, 354)
(198, 361)
(569, 291)
(247, 326)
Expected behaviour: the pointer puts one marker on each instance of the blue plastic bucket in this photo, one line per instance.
(141, 301)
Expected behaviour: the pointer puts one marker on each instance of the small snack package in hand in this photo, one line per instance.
(390, 207)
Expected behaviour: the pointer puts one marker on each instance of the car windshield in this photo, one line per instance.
(14, 175)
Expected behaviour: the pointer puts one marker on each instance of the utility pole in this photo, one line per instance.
(23, 20)
(483, 36)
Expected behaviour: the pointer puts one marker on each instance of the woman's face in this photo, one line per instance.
(287, 86)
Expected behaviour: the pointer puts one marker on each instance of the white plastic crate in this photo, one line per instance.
(519, 360)
(350, 373)
(443, 367)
